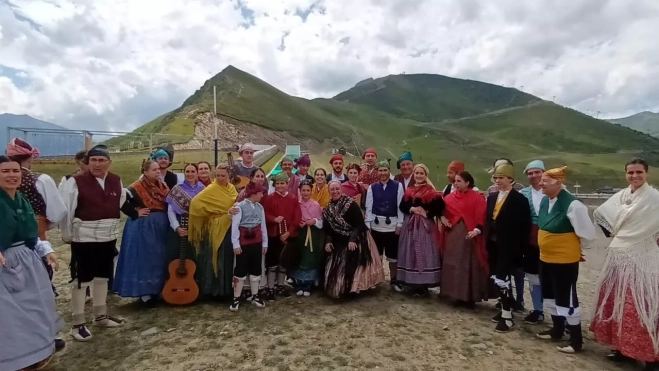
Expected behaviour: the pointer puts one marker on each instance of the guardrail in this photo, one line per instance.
(260, 158)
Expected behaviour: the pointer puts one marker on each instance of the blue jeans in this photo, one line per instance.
(536, 292)
(518, 276)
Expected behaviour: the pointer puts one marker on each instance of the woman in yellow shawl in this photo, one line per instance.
(208, 225)
(320, 192)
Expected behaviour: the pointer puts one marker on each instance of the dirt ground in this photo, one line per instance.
(383, 330)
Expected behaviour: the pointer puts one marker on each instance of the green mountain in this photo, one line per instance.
(645, 122)
(438, 118)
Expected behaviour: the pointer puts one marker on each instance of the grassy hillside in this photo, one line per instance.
(645, 122)
(436, 117)
(426, 97)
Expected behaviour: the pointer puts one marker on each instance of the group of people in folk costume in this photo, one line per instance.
(324, 232)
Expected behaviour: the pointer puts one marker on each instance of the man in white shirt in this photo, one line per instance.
(384, 217)
(94, 199)
(564, 228)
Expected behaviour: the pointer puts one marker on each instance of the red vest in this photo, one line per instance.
(94, 203)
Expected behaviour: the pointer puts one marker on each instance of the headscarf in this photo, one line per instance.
(158, 154)
(334, 215)
(424, 191)
(99, 150)
(384, 163)
(370, 150)
(497, 163)
(406, 156)
(557, 173)
(535, 164)
(246, 147)
(19, 147)
(336, 157)
(456, 166)
(281, 177)
(304, 160)
(505, 170)
(253, 188)
(181, 195)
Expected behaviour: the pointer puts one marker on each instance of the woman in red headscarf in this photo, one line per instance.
(465, 277)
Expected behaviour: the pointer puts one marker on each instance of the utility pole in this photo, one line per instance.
(553, 98)
(215, 122)
(598, 115)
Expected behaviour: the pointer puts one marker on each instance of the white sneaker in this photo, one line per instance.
(107, 321)
(299, 293)
(307, 294)
(81, 333)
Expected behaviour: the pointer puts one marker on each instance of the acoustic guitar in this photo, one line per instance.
(181, 288)
(238, 181)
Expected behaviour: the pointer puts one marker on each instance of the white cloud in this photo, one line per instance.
(117, 63)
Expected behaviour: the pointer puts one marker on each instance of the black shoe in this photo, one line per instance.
(576, 340)
(504, 325)
(281, 291)
(270, 296)
(235, 305)
(651, 366)
(257, 301)
(534, 317)
(497, 318)
(498, 305)
(59, 344)
(617, 356)
(555, 333)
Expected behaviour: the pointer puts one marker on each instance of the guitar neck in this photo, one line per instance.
(184, 241)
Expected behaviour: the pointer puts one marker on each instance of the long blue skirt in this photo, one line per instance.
(142, 265)
(28, 320)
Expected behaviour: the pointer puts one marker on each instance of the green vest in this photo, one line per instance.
(556, 221)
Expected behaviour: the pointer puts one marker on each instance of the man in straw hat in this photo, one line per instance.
(507, 228)
(564, 228)
(94, 199)
(384, 218)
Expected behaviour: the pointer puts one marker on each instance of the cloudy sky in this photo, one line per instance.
(119, 63)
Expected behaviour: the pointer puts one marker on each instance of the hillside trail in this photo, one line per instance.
(481, 115)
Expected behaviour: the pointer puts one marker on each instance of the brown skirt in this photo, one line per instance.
(462, 276)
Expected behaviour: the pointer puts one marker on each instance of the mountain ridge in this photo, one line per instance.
(439, 118)
(645, 122)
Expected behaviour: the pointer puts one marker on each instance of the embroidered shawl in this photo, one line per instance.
(180, 196)
(321, 195)
(632, 261)
(334, 215)
(152, 194)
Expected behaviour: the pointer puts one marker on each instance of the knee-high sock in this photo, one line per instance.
(272, 276)
(254, 284)
(393, 266)
(99, 296)
(281, 277)
(238, 283)
(78, 302)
